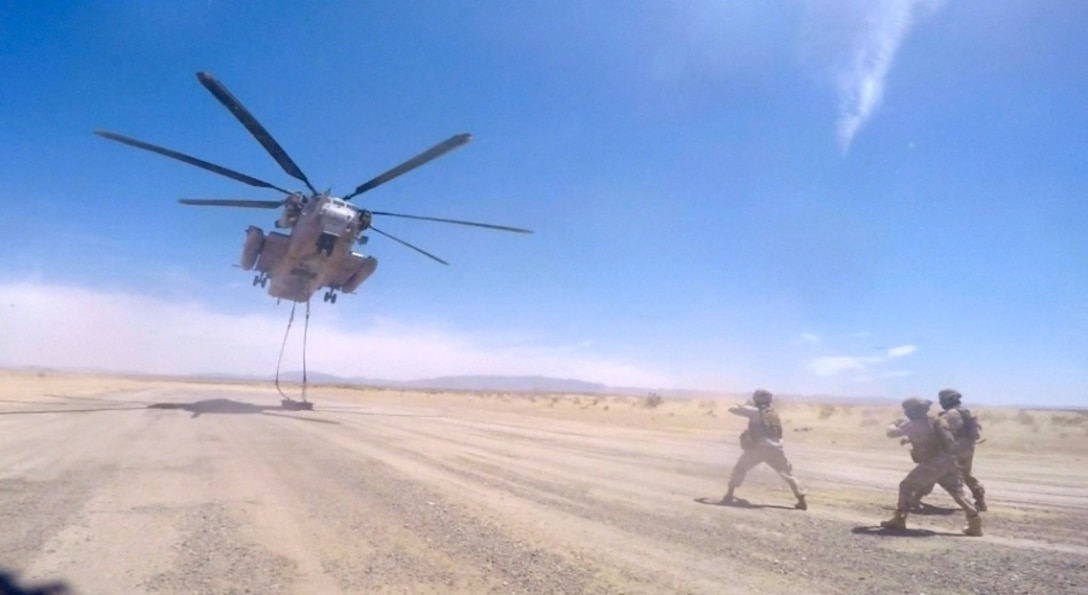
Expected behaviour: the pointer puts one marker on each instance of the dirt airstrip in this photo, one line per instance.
(124, 485)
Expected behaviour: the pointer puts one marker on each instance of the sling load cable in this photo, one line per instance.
(279, 362)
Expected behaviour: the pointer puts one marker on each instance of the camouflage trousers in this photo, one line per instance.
(774, 457)
(965, 459)
(942, 471)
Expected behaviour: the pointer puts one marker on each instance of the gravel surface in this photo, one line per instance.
(200, 491)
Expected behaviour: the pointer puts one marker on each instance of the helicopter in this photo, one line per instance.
(322, 229)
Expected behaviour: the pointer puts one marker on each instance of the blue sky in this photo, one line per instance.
(856, 198)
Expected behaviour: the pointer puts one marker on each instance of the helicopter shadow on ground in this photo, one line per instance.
(230, 407)
(740, 503)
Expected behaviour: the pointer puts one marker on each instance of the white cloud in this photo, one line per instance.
(808, 338)
(855, 41)
(832, 365)
(901, 351)
(73, 327)
(838, 364)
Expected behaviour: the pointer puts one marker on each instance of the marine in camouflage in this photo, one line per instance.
(762, 443)
(966, 430)
(934, 449)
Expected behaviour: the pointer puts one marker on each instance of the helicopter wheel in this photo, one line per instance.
(256, 280)
(332, 298)
(264, 281)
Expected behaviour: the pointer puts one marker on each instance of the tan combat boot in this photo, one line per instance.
(897, 522)
(974, 526)
(978, 492)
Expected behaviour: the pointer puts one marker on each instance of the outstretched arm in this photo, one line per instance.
(897, 429)
(744, 411)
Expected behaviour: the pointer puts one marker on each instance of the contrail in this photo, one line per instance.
(855, 42)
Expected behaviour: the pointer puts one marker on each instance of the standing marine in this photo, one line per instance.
(762, 443)
(967, 431)
(934, 449)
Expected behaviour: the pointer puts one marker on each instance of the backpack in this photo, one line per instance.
(971, 428)
(772, 424)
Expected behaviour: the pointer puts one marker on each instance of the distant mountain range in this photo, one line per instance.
(490, 383)
(543, 384)
(527, 384)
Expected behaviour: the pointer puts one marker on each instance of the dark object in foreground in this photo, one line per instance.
(9, 587)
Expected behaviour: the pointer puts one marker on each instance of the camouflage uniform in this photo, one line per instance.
(960, 422)
(762, 443)
(934, 448)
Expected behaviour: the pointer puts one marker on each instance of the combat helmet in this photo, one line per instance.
(762, 397)
(949, 398)
(916, 407)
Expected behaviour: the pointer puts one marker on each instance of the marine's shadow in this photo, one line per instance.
(929, 510)
(740, 503)
(229, 407)
(878, 531)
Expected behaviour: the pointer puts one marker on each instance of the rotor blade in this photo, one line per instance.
(230, 173)
(253, 126)
(458, 222)
(436, 151)
(216, 202)
(416, 248)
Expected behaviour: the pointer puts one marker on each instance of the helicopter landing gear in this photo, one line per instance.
(330, 297)
(261, 280)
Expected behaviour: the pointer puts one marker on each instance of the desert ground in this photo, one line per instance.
(127, 485)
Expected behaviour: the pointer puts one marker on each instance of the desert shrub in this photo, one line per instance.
(992, 417)
(869, 417)
(1074, 420)
(826, 411)
(1024, 418)
(651, 401)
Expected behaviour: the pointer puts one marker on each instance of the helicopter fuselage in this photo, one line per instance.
(317, 253)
